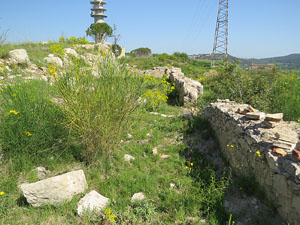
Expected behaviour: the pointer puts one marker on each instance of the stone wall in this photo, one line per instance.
(188, 89)
(262, 145)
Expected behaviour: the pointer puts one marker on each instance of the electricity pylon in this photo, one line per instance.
(221, 34)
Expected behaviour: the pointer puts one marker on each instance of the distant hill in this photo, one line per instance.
(285, 62)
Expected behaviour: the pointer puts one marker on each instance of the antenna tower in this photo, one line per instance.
(221, 34)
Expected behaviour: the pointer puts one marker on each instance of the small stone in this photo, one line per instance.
(172, 185)
(279, 152)
(129, 136)
(138, 197)
(148, 134)
(274, 117)
(187, 115)
(154, 151)
(164, 156)
(255, 115)
(42, 172)
(92, 202)
(128, 158)
(269, 124)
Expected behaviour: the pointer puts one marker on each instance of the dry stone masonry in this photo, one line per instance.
(262, 145)
(188, 89)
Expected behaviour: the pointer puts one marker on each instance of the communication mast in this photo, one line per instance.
(221, 34)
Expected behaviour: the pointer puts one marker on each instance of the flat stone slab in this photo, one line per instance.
(255, 115)
(92, 202)
(55, 190)
(274, 117)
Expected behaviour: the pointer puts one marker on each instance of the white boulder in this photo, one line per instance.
(55, 190)
(51, 59)
(92, 202)
(71, 52)
(19, 56)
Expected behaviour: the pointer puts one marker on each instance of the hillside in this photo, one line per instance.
(290, 62)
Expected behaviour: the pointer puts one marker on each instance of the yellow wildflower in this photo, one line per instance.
(227, 145)
(13, 112)
(232, 146)
(186, 167)
(1, 193)
(28, 133)
(276, 164)
(258, 153)
(192, 164)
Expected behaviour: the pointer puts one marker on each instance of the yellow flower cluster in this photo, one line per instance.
(13, 112)
(3, 68)
(189, 165)
(258, 153)
(109, 215)
(52, 71)
(232, 146)
(28, 133)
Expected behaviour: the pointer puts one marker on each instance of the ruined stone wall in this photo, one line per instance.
(262, 145)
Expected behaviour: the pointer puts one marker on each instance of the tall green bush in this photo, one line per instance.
(97, 106)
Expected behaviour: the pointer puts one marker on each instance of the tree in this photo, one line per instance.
(99, 31)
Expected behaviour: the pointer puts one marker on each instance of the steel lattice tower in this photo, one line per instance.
(221, 34)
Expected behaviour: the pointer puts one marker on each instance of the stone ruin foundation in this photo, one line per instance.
(262, 145)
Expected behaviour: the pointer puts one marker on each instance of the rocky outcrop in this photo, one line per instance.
(55, 190)
(18, 56)
(262, 145)
(189, 90)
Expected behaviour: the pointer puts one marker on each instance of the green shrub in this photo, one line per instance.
(141, 52)
(97, 106)
(30, 122)
(157, 93)
(57, 49)
(116, 49)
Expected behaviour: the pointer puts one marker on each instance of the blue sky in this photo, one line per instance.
(257, 28)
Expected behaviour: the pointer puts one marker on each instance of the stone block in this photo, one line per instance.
(55, 190)
(274, 117)
(255, 115)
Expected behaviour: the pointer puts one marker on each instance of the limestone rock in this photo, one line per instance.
(55, 190)
(51, 59)
(42, 172)
(93, 202)
(128, 158)
(138, 197)
(129, 136)
(284, 145)
(19, 56)
(71, 52)
(255, 115)
(164, 156)
(274, 117)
